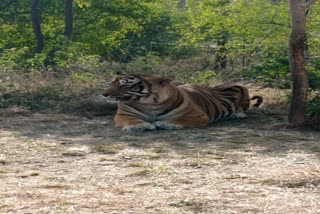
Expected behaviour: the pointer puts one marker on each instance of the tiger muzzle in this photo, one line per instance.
(117, 97)
(122, 98)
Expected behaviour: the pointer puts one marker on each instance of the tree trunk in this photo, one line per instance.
(68, 26)
(36, 24)
(296, 58)
(68, 18)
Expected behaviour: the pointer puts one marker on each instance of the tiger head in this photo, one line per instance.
(132, 87)
(128, 87)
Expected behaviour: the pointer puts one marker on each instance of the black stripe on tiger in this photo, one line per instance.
(136, 111)
(228, 106)
(178, 102)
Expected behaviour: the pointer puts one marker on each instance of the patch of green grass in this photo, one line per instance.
(35, 174)
(181, 203)
(194, 205)
(135, 164)
(108, 158)
(141, 172)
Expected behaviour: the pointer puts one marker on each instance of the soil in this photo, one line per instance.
(62, 163)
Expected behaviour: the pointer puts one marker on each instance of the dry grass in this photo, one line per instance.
(57, 163)
(107, 149)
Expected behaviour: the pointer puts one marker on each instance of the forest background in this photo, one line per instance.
(53, 51)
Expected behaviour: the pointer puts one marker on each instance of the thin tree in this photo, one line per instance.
(221, 58)
(68, 26)
(36, 24)
(68, 18)
(298, 108)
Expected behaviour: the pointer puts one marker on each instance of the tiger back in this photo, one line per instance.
(220, 102)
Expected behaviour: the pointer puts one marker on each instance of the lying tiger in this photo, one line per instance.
(150, 102)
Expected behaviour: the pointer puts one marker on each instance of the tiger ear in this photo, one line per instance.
(141, 77)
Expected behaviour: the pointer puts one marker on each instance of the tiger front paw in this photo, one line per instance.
(167, 125)
(240, 115)
(139, 127)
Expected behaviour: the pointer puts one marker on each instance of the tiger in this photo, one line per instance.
(155, 102)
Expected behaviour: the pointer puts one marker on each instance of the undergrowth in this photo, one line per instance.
(47, 90)
(314, 112)
(56, 89)
(52, 88)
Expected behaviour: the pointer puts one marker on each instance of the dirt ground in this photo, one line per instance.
(59, 163)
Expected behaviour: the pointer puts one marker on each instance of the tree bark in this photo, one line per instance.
(68, 27)
(298, 106)
(36, 24)
(68, 18)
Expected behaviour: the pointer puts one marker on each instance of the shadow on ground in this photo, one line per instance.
(67, 163)
(261, 131)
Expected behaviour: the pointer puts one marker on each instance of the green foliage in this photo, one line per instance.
(270, 69)
(148, 64)
(254, 31)
(314, 106)
(21, 59)
(205, 77)
(314, 78)
(112, 30)
(145, 36)
(314, 112)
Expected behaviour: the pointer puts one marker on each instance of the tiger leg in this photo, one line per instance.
(183, 122)
(132, 124)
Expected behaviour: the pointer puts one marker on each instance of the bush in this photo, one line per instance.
(271, 71)
(45, 97)
(314, 112)
(21, 59)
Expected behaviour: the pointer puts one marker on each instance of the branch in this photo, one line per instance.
(308, 3)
